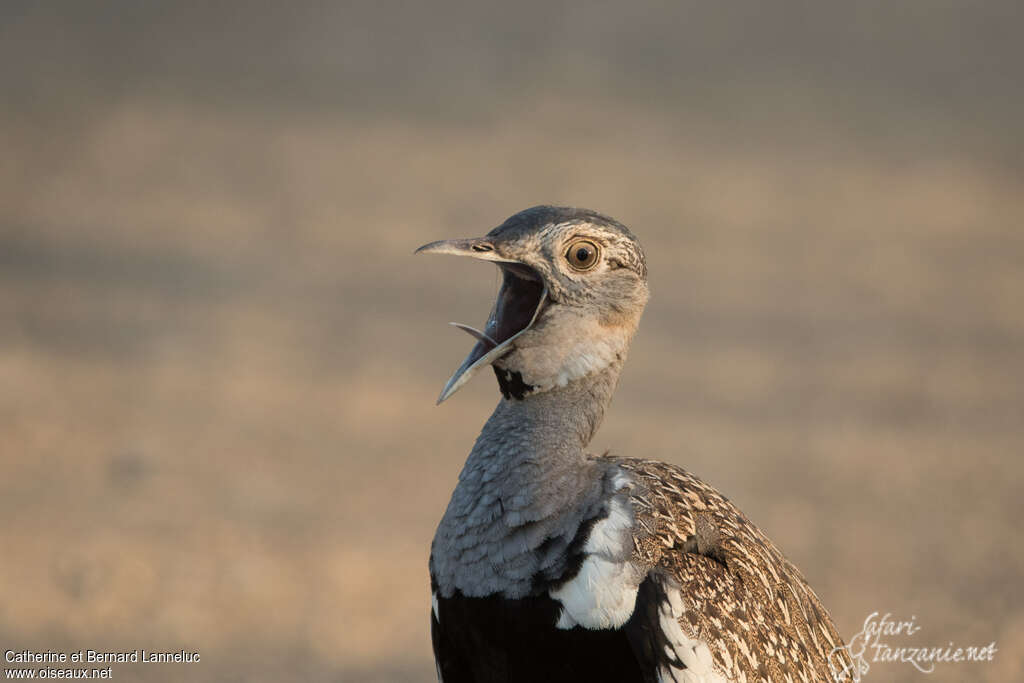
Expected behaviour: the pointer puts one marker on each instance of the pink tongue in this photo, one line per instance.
(476, 334)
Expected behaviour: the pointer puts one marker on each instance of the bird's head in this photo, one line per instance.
(574, 283)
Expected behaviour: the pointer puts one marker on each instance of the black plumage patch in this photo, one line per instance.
(492, 639)
(511, 383)
(497, 640)
(649, 641)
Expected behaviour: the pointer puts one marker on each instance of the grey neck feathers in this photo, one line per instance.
(526, 488)
(548, 426)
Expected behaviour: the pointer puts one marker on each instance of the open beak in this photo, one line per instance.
(520, 300)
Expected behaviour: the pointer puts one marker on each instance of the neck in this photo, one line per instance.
(532, 449)
(526, 482)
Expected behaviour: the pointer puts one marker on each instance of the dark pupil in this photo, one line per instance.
(582, 254)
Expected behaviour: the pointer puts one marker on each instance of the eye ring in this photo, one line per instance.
(583, 255)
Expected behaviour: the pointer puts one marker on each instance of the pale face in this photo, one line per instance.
(571, 297)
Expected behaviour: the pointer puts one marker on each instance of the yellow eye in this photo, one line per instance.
(582, 255)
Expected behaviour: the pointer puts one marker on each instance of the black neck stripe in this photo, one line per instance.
(512, 384)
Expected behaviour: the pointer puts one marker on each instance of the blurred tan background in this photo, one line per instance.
(219, 359)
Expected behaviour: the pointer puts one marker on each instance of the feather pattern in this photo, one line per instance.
(738, 593)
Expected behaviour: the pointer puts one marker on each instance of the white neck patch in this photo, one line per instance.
(554, 355)
(603, 594)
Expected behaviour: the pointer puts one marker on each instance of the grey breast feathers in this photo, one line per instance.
(740, 595)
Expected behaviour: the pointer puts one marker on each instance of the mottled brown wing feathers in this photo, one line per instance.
(742, 597)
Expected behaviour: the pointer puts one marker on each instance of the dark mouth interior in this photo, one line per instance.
(519, 301)
(520, 295)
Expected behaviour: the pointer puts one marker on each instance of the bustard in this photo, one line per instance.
(551, 564)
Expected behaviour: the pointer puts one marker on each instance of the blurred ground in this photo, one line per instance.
(218, 358)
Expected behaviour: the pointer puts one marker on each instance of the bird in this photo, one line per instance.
(551, 563)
